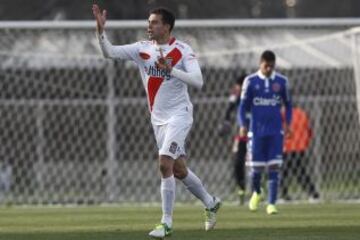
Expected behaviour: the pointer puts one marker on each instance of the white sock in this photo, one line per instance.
(167, 190)
(195, 186)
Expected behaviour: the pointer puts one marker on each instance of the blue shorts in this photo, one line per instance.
(265, 150)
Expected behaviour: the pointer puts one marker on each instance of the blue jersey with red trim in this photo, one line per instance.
(263, 98)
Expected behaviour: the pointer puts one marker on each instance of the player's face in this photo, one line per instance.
(156, 28)
(237, 89)
(267, 68)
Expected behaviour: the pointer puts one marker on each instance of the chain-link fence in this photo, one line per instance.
(75, 127)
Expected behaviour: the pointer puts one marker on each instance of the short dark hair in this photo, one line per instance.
(268, 56)
(167, 16)
(239, 80)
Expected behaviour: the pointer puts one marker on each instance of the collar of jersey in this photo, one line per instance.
(263, 77)
(169, 43)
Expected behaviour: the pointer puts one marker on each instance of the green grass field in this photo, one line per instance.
(308, 222)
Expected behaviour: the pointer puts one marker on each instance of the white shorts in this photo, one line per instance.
(170, 137)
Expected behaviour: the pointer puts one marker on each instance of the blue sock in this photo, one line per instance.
(273, 185)
(255, 180)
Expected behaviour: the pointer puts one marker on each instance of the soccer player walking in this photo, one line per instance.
(167, 67)
(264, 94)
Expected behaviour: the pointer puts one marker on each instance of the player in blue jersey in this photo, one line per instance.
(264, 93)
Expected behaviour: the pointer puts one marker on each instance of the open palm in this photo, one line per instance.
(100, 17)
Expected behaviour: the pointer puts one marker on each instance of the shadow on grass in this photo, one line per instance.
(309, 233)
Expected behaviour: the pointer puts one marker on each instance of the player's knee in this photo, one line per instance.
(180, 169)
(165, 170)
(180, 173)
(162, 168)
(166, 166)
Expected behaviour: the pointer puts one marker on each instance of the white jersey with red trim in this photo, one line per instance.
(167, 92)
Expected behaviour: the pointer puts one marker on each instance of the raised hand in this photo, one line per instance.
(162, 62)
(100, 18)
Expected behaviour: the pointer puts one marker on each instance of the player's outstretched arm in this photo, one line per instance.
(106, 47)
(126, 52)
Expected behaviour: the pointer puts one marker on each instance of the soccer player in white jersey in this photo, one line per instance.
(167, 67)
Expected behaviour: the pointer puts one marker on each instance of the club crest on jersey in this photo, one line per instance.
(144, 56)
(276, 87)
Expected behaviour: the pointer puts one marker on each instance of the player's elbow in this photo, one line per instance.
(104, 52)
(106, 55)
(199, 82)
(107, 52)
(199, 85)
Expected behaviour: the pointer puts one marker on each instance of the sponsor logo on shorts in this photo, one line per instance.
(173, 147)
